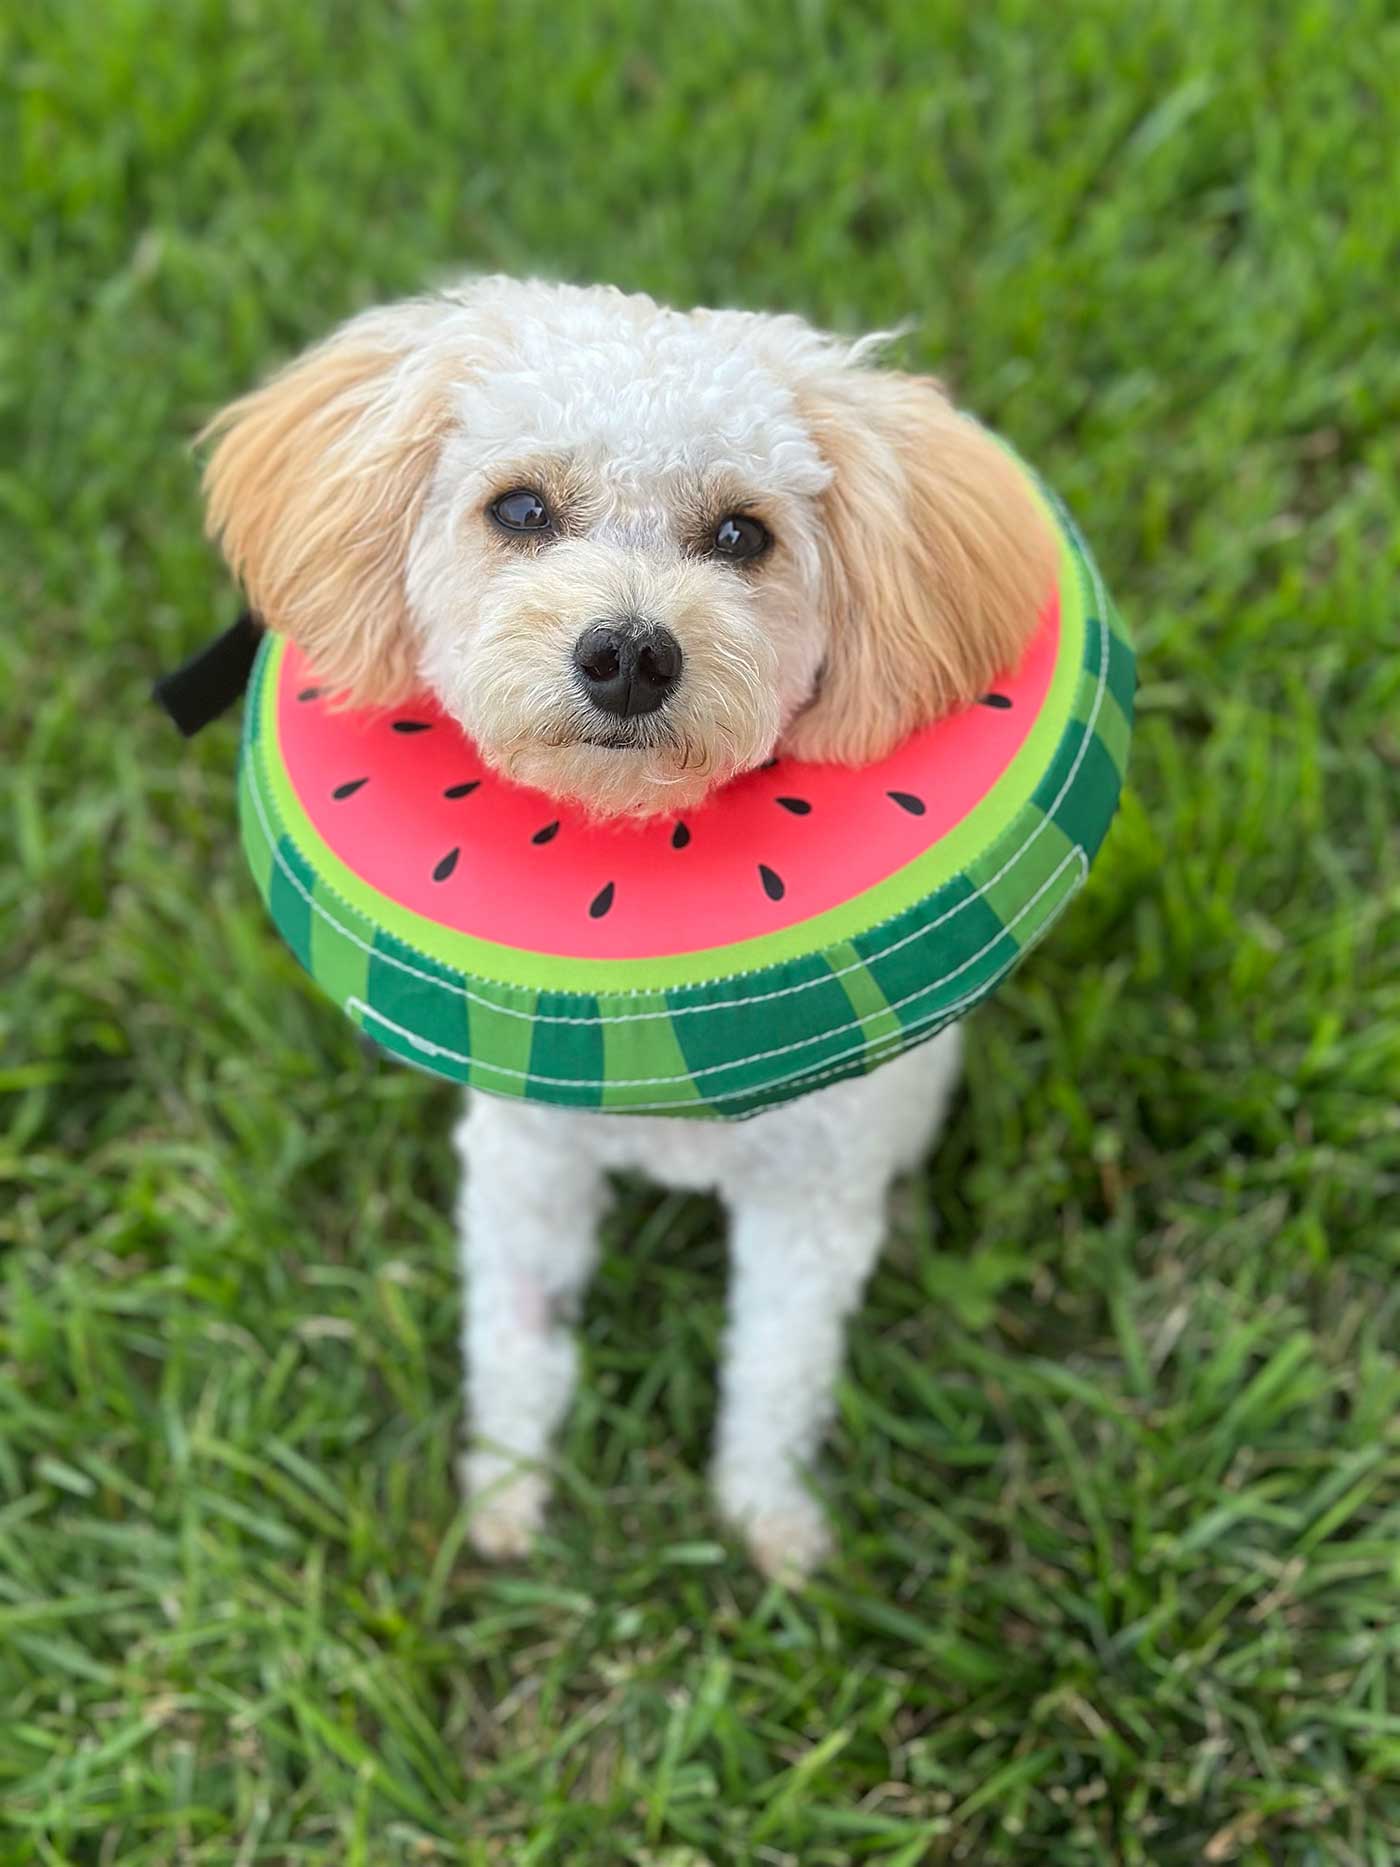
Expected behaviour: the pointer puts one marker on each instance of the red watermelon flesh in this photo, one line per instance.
(406, 802)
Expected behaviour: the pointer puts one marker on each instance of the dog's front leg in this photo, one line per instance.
(528, 1229)
(799, 1265)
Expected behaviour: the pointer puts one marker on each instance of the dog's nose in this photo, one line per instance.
(628, 666)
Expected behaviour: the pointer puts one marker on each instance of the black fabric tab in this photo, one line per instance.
(212, 679)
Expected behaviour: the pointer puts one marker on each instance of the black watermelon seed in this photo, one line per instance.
(413, 726)
(907, 801)
(547, 834)
(309, 693)
(1000, 701)
(349, 788)
(601, 902)
(797, 805)
(768, 764)
(773, 885)
(446, 866)
(462, 790)
(680, 836)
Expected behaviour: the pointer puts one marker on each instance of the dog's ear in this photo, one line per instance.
(936, 561)
(314, 488)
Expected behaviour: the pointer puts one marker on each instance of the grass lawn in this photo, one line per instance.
(1117, 1476)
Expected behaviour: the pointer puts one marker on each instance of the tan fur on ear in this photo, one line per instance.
(936, 562)
(315, 487)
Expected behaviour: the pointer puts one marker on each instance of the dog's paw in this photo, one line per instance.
(507, 1506)
(786, 1532)
(788, 1544)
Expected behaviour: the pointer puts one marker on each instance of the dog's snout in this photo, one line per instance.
(628, 666)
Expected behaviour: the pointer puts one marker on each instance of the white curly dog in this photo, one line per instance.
(636, 551)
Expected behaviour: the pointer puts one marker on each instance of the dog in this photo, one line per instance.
(636, 551)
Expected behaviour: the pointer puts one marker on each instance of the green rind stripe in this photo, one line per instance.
(965, 933)
(1045, 906)
(1031, 878)
(566, 1053)
(257, 845)
(868, 1002)
(338, 964)
(290, 893)
(502, 1030)
(1122, 670)
(817, 1027)
(1114, 733)
(634, 1050)
(423, 1015)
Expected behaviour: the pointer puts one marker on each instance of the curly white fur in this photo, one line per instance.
(353, 496)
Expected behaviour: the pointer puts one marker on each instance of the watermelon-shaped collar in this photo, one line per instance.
(804, 924)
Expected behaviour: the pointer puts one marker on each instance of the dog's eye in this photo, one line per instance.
(737, 537)
(520, 511)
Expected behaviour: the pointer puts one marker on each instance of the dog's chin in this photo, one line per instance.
(611, 778)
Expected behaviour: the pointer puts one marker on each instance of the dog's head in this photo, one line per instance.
(634, 551)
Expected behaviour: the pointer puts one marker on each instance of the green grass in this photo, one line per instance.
(1117, 1478)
